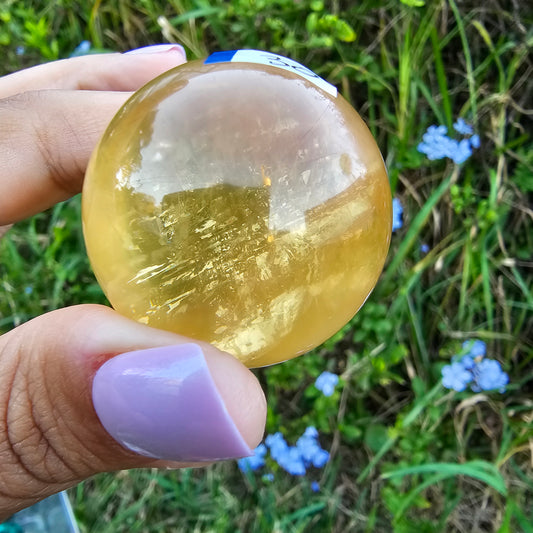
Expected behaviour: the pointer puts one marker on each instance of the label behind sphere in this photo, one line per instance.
(274, 60)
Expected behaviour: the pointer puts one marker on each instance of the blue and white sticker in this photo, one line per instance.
(274, 60)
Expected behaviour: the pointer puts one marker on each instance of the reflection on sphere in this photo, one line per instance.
(238, 204)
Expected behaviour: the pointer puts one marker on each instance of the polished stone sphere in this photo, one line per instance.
(241, 204)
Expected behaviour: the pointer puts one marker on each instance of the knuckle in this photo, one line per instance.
(48, 136)
(30, 448)
(48, 125)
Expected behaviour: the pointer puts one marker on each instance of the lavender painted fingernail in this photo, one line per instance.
(157, 49)
(163, 403)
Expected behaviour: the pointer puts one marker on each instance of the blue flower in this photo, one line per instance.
(296, 459)
(320, 458)
(436, 144)
(326, 383)
(435, 133)
(19, 50)
(82, 49)
(308, 447)
(456, 377)
(397, 214)
(277, 444)
(472, 368)
(315, 486)
(256, 461)
(268, 477)
(475, 348)
(489, 376)
(474, 141)
(292, 461)
(468, 362)
(311, 431)
(424, 248)
(460, 126)
(461, 152)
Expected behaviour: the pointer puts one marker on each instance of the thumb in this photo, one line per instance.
(84, 390)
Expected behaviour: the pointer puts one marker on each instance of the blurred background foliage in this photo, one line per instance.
(406, 454)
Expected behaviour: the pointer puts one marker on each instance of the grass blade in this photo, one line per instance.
(418, 224)
(481, 470)
(441, 78)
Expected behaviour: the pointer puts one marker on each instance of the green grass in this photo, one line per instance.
(407, 455)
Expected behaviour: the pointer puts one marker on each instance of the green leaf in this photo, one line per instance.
(201, 12)
(375, 436)
(344, 32)
(350, 433)
(311, 22)
(317, 5)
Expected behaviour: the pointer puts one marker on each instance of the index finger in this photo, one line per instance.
(48, 135)
(97, 72)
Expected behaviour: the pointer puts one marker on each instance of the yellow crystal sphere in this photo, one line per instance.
(239, 204)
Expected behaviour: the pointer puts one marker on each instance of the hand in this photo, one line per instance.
(84, 390)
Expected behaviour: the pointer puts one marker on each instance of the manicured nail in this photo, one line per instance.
(163, 403)
(159, 48)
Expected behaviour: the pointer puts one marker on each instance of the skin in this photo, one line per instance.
(50, 437)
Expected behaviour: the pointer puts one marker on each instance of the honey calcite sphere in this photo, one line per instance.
(241, 201)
